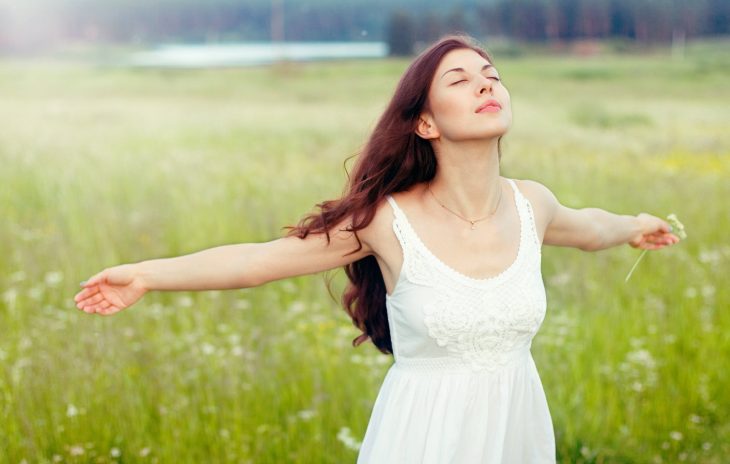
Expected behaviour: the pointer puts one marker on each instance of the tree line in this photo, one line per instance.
(399, 22)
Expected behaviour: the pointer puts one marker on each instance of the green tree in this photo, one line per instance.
(401, 34)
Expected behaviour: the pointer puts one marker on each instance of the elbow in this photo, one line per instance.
(252, 271)
(251, 282)
(590, 247)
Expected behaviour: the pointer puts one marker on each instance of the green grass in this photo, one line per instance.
(104, 165)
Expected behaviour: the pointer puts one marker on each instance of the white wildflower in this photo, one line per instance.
(71, 411)
(677, 226)
(641, 357)
(690, 292)
(708, 291)
(288, 286)
(9, 296)
(36, 293)
(54, 278)
(306, 414)
(237, 350)
(115, 452)
(345, 436)
(242, 304)
(675, 435)
(185, 301)
(709, 256)
(297, 307)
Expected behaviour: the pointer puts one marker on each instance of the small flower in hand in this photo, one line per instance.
(676, 226)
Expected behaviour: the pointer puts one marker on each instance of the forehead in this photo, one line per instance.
(461, 58)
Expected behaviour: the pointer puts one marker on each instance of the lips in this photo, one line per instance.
(489, 106)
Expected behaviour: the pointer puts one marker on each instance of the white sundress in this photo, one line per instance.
(464, 388)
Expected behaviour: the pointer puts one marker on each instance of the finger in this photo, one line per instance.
(85, 293)
(99, 306)
(110, 310)
(93, 299)
(86, 309)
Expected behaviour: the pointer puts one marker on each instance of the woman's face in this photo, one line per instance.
(467, 100)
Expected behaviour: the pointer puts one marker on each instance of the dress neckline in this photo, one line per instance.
(457, 275)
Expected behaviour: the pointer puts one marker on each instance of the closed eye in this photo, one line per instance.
(458, 82)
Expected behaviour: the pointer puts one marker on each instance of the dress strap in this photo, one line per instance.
(400, 226)
(514, 187)
(397, 212)
(526, 215)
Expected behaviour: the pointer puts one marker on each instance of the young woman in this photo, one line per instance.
(443, 257)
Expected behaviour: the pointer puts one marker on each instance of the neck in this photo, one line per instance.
(467, 178)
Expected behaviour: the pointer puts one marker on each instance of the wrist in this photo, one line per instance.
(142, 276)
(636, 230)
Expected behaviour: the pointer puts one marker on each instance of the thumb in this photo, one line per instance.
(666, 227)
(100, 278)
(96, 279)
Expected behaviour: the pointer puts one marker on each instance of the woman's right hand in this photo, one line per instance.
(110, 291)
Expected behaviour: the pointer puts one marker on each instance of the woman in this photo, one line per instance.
(443, 257)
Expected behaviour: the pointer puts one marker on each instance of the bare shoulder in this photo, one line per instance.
(381, 227)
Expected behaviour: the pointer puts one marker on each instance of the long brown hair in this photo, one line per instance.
(394, 159)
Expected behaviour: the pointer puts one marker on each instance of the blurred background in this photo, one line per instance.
(41, 26)
(133, 129)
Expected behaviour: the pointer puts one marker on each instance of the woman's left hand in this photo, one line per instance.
(655, 233)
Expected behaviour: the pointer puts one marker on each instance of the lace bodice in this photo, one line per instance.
(441, 318)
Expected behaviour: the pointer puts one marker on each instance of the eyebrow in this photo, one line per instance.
(486, 66)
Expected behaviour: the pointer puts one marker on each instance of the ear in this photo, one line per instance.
(426, 128)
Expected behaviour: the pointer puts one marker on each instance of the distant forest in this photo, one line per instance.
(40, 25)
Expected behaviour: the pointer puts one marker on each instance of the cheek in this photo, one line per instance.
(444, 108)
(507, 98)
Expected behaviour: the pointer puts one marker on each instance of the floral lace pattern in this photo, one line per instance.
(482, 321)
(485, 327)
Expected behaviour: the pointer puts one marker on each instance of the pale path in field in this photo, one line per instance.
(464, 387)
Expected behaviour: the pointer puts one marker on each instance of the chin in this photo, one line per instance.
(493, 132)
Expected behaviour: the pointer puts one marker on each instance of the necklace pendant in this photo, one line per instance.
(473, 226)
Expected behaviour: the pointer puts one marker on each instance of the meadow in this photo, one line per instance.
(104, 165)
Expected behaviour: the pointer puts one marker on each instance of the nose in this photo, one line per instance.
(484, 84)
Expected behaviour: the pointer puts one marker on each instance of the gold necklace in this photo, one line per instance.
(473, 223)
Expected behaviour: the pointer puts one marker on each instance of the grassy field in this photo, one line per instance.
(106, 165)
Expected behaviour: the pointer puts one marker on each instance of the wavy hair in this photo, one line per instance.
(394, 159)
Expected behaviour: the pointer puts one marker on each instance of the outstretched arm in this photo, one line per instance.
(593, 229)
(225, 267)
